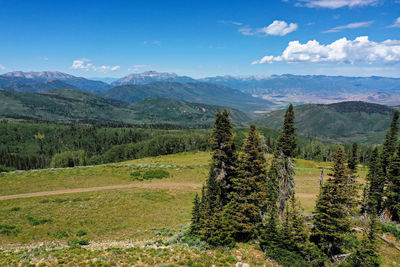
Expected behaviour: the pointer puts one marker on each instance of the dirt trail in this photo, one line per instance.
(161, 185)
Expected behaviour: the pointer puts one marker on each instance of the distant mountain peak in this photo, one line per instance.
(44, 75)
(150, 77)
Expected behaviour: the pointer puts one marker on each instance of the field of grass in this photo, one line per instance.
(148, 212)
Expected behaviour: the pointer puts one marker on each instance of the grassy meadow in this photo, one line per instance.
(125, 225)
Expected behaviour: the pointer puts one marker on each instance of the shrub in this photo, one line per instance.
(34, 222)
(392, 228)
(155, 174)
(81, 233)
(6, 229)
(15, 209)
(6, 169)
(69, 159)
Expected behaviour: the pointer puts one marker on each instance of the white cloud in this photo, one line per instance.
(280, 28)
(2, 67)
(360, 50)
(276, 28)
(333, 4)
(83, 64)
(230, 22)
(396, 24)
(354, 25)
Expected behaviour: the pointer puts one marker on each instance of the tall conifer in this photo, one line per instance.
(353, 158)
(389, 145)
(334, 205)
(282, 166)
(393, 189)
(376, 184)
(248, 199)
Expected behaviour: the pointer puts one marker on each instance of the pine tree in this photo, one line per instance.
(248, 199)
(195, 225)
(283, 164)
(376, 184)
(393, 189)
(353, 159)
(334, 205)
(367, 252)
(287, 141)
(389, 145)
(215, 228)
(224, 159)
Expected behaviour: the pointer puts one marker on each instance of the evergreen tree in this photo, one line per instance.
(353, 159)
(248, 199)
(389, 145)
(334, 205)
(376, 184)
(215, 228)
(393, 189)
(195, 225)
(287, 141)
(367, 252)
(283, 166)
(224, 159)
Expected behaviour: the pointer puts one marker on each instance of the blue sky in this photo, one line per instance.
(202, 38)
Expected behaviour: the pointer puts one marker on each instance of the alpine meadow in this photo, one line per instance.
(200, 133)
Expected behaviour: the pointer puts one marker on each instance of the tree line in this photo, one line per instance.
(244, 199)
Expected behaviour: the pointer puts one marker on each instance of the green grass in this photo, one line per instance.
(154, 210)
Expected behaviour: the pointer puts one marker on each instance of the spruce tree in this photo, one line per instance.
(215, 229)
(367, 252)
(224, 158)
(248, 199)
(353, 158)
(334, 206)
(376, 184)
(283, 156)
(195, 225)
(393, 189)
(389, 145)
(287, 141)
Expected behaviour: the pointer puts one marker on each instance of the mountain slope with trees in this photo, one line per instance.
(73, 106)
(340, 122)
(205, 93)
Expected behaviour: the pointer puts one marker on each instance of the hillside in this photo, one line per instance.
(337, 123)
(68, 106)
(39, 86)
(34, 80)
(191, 92)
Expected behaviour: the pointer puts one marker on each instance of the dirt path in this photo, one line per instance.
(161, 185)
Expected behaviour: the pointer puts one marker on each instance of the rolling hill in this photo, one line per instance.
(73, 106)
(337, 123)
(191, 92)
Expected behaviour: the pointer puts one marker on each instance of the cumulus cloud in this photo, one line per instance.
(84, 64)
(360, 50)
(333, 4)
(276, 28)
(396, 24)
(354, 25)
(2, 67)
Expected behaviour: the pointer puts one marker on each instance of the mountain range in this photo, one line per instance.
(197, 92)
(35, 80)
(75, 106)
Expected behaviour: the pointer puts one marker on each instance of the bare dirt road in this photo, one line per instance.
(160, 185)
